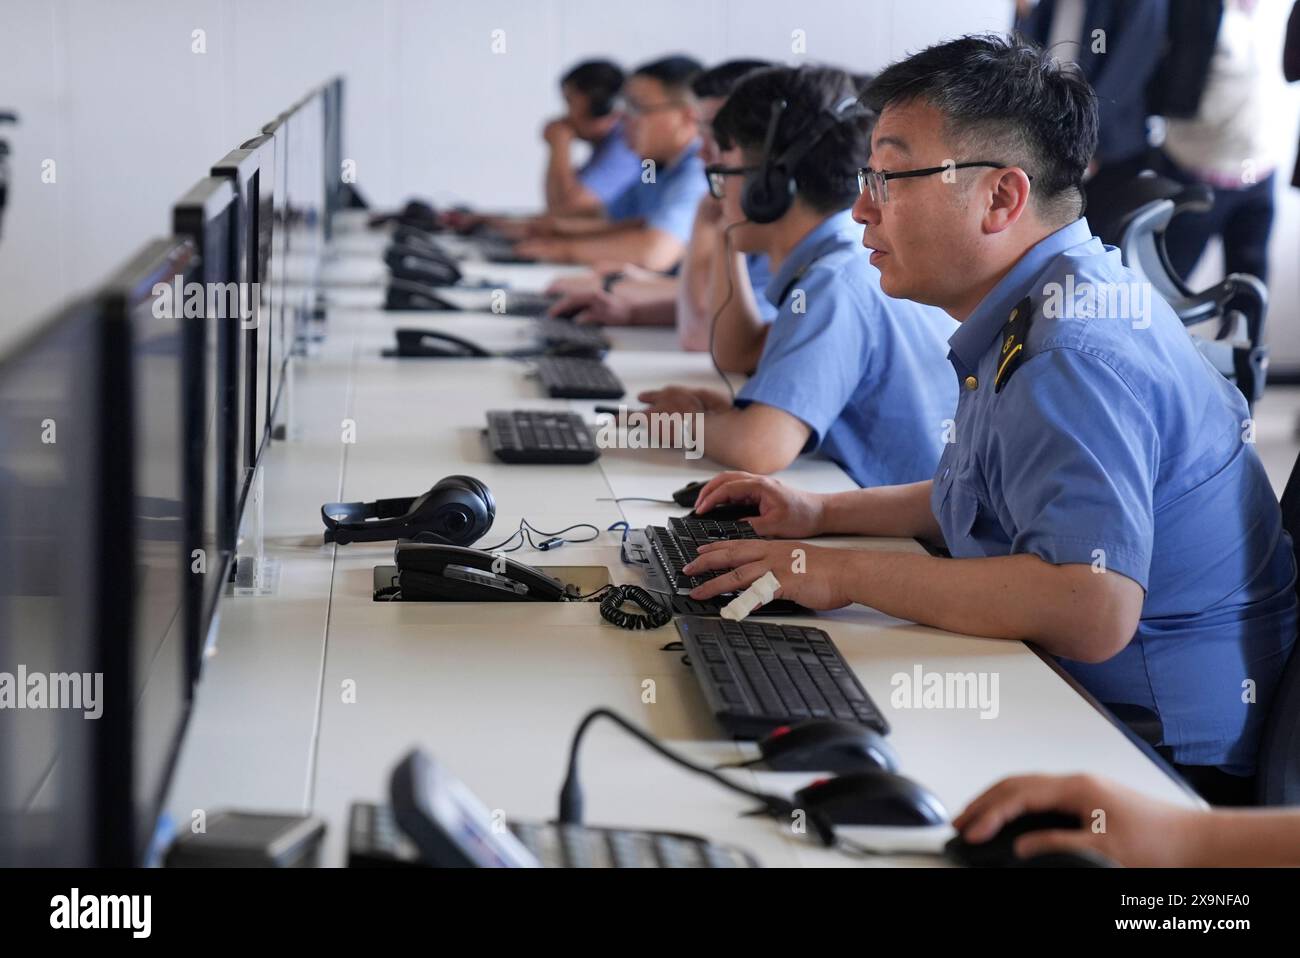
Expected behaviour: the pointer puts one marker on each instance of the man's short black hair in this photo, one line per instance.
(599, 80)
(674, 72)
(1010, 101)
(826, 177)
(720, 80)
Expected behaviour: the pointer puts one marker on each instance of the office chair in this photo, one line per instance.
(1239, 302)
(1278, 778)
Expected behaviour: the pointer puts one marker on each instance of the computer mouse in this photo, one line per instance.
(871, 798)
(827, 745)
(726, 512)
(729, 512)
(997, 851)
(687, 494)
(569, 313)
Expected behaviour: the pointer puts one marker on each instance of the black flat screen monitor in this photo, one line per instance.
(208, 216)
(53, 581)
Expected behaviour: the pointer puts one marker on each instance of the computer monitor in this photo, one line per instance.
(332, 102)
(208, 216)
(280, 330)
(150, 368)
(242, 169)
(60, 581)
(263, 261)
(305, 213)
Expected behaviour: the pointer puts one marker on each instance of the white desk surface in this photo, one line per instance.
(495, 691)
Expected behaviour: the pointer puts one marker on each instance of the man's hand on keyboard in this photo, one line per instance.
(783, 512)
(813, 576)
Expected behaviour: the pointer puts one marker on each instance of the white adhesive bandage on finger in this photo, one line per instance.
(760, 593)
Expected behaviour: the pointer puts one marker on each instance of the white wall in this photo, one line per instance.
(112, 92)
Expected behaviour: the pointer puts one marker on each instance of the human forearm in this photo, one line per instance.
(1003, 597)
(650, 248)
(902, 511)
(565, 193)
(693, 292)
(1249, 838)
(755, 439)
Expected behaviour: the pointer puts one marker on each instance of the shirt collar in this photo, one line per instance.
(682, 158)
(611, 138)
(974, 336)
(817, 242)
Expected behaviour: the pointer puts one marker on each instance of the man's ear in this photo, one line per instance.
(1008, 199)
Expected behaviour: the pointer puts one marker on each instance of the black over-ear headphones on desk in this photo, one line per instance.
(770, 189)
(456, 511)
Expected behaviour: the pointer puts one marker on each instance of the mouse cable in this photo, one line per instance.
(837, 842)
(855, 849)
(525, 536)
(666, 502)
(726, 301)
(570, 810)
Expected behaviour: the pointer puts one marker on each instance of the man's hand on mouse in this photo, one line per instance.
(593, 306)
(684, 399)
(1138, 831)
(783, 512)
(814, 576)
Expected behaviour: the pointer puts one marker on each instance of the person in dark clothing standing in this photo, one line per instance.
(1115, 44)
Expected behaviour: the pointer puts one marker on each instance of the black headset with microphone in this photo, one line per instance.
(457, 511)
(770, 189)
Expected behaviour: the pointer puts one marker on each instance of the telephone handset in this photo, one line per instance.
(407, 265)
(447, 822)
(433, 343)
(434, 571)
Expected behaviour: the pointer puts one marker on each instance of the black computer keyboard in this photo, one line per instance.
(679, 544)
(539, 436)
(567, 377)
(565, 335)
(376, 840)
(704, 528)
(669, 549)
(757, 676)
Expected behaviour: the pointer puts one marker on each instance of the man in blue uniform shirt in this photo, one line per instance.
(649, 223)
(615, 295)
(843, 368)
(1101, 495)
(590, 92)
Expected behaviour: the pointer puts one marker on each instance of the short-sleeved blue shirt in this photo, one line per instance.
(1114, 443)
(864, 372)
(669, 202)
(760, 274)
(611, 168)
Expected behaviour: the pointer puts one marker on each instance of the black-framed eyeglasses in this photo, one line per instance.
(717, 174)
(877, 181)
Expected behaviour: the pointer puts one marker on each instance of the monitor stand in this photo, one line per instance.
(254, 572)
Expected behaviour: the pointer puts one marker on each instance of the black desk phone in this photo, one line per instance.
(434, 820)
(428, 571)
